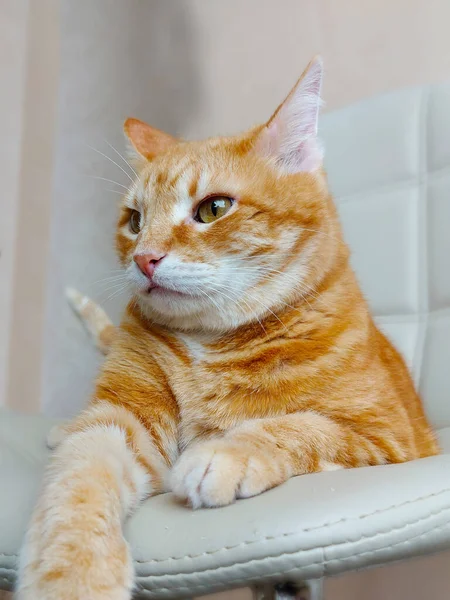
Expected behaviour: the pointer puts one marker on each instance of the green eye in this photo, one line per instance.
(213, 208)
(135, 221)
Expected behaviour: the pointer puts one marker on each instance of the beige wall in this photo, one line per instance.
(249, 53)
(13, 36)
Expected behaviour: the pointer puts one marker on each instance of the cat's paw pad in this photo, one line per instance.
(215, 473)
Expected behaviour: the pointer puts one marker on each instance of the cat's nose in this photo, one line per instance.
(147, 262)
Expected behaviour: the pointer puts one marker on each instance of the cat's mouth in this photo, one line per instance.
(156, 289)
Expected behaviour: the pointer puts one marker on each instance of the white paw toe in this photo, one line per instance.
(208, 476)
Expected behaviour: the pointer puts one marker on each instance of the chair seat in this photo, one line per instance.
(312, 526)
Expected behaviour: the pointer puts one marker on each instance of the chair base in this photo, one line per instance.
(301, 590)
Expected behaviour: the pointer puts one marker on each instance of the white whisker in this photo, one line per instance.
(107, 280)
(122, 157)
(113, 286)
(267, 308)
(113, 162)
(114, 191)
(110, 181)
(318, 231)
(219, 308)
(238, 302)
(247, 304)
(268, 272)
(116, 293)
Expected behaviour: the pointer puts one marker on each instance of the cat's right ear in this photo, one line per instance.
(146, 141)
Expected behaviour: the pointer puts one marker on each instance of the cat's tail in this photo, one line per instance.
(94, 318)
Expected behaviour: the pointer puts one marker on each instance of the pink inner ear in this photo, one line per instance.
(311, 155)
(294, 151)
(266, 144)
(291, 136)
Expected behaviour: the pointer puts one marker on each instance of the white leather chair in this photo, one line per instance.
(388, 160)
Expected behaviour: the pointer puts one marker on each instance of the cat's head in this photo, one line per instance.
(229, 230)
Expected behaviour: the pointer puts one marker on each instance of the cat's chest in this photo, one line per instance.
(217, 390)
(195, 382)
(206, 388)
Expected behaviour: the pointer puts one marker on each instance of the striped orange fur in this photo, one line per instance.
(246, 356)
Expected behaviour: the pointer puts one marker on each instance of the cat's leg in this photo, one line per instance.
(263, 453)
(74, 548)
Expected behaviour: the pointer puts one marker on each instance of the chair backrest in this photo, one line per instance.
(388, 162)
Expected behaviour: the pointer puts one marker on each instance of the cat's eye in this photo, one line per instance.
(213, 208)
(135, 221)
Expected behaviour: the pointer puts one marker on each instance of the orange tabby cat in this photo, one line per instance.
(247, 356)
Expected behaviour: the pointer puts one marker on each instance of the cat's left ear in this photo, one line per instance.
(290, 136)
(147, 141)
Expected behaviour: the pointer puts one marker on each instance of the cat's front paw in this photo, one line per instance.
(60, 563)
(217, 472)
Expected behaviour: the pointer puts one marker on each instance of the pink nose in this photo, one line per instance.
(147, 262)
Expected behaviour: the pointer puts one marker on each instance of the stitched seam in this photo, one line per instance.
(423, 275)
(393, 186)
(246, 580)
(372, 536)
(320, 546)
(305, 530)
(288, 534)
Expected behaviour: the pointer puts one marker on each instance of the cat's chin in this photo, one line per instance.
(167, 306)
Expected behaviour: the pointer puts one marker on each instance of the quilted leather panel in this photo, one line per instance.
(438, 148)
(390, 280)
(373, 144)
(405, 335)
(435, 381)
(388, 160)
(438, 235)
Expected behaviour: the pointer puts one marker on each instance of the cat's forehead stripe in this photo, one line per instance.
(148, 185)
(183, 183)
(178, 171)
(183, 200)
(203, 183)
(129, 198)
